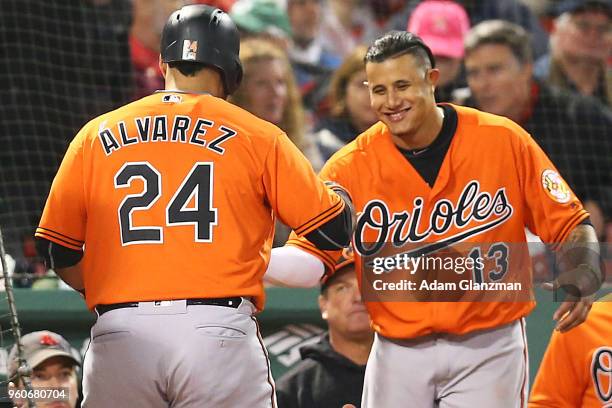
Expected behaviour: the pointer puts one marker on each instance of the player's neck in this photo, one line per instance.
(200, 83)
(355, 349)
(424, 135)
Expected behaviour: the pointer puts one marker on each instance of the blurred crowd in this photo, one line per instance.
(545, 64)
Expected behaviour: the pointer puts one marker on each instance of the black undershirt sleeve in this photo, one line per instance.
(57, 256)
(336, 233)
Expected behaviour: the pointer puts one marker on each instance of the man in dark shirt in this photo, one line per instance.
(573, 130)
(579, 49)
(331, 373)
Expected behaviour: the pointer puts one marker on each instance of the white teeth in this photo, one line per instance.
(396, 116)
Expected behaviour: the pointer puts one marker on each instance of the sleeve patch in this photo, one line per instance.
(555, 187)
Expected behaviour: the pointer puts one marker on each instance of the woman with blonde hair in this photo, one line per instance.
(350, 110)
(269, 91)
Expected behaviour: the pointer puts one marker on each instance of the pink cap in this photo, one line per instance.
(441, 24)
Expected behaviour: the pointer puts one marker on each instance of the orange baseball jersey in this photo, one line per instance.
(576, 370)
(493, 182)
(173, 197)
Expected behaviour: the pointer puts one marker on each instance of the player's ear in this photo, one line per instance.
(433, 76)
(323, 306)
(163, 67)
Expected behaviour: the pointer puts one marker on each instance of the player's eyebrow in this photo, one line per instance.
(401, 82)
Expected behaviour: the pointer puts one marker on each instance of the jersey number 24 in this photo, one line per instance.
(197, 185)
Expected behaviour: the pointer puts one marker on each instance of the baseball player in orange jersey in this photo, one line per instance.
(438, 175)
(576, 370)
(170, 201)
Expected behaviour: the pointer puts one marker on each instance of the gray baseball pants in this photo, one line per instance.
(179, 356)
(488, 368)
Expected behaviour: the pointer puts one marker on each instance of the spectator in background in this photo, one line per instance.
(149, 19)
(576, 368)
(268, 90)
(350, 109)
(580, 45)
(53, 365)
(573, 131)
(513, 11)
(346, 24)
(332, 371)
(386, 13)
(312, 63)
(225, 5)
(442, 24)
(262, 19)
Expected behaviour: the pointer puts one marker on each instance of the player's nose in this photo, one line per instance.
(393, 100)
(357, 295)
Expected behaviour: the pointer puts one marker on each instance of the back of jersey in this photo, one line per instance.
(173, 197)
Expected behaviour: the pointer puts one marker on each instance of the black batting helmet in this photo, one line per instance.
(204, 34)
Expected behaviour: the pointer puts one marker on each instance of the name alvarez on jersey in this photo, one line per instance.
(155, 129)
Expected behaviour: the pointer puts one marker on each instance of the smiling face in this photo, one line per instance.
(402, 93)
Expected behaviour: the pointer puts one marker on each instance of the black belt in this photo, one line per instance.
(227, 302)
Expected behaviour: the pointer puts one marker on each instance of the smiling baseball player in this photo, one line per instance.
(433, 176)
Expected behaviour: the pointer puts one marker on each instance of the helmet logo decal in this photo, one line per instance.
(190, 49)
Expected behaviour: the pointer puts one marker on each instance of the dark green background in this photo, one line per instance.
(290, 320)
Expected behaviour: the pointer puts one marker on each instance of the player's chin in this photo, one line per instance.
(359, 319)
(401, 129)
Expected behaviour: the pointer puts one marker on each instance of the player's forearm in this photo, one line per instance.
(579, 254)
(64, 261)
(73, 276)
(292, 267)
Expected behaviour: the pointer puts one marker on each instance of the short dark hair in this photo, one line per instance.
(188, 68)
(396, 43)
(499, 32)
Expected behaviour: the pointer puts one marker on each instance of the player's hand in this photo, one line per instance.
(580, 285)
(579, 298)
(571, 313)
